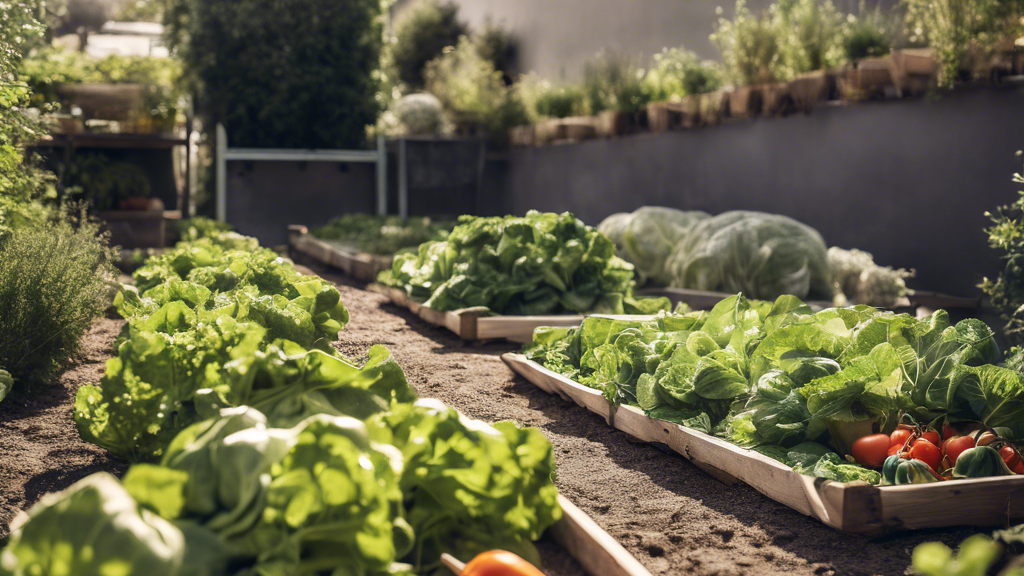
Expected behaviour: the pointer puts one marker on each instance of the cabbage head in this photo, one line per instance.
(648, 237)
(764, 256)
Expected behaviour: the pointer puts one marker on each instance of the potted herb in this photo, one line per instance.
(674, 85)
(866, 44)
(810, 45)
(559, 111)
(615, 94)
(750, 49)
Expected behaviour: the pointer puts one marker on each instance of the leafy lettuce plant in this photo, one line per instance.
(777, 377)
(539, 264)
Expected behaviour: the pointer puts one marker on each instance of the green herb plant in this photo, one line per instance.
(750, 46)
(677, 73)
(1006, 291)
(611, 82)
(383, 235)
(810, 36)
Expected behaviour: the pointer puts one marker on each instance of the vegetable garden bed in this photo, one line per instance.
(354, 263)
(855, 507)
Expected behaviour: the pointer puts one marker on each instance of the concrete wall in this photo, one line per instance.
(558, 36)
(908, 181)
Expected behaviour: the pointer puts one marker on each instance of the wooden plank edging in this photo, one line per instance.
(595, 550)
(355, 264)
(855, 507)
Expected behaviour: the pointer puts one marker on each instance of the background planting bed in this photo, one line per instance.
(855, 507)
(358, 265)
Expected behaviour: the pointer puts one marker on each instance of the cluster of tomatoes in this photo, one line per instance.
(939, 452)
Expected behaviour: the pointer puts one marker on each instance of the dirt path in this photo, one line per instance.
(671, 515)
(40, 450)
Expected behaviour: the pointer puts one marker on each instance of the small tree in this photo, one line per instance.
(283, 73)
(422, 36)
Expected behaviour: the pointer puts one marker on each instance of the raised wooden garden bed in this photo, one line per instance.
(597, 552)
(855, 507)
(355, 264)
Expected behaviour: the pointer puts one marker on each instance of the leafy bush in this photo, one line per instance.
(422, 36)
(415, 114)
(1006, 236)
(46, 69)
(750, 46)
(611, 82)
(868, 35)
(103, 182)
(23, 183)
(383, 235)
(810, 36)
(53, 282)
(677, 73)
(291, 74)
(499, 46)
(955, 27)
(472, 91)
(542, 263)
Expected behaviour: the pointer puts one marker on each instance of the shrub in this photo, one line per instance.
(473, 92)
(500, 47)
(544, 99)
(1006, 236)
(415, 114)
(611, 82)
(810, 36)
(422, 36)
(956, 27)
(749, 46)
(678, 73)
(868, 34)
(283, 73)
(53, 280)
(103, 183)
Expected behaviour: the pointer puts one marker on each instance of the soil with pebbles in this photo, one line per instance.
(673, 517)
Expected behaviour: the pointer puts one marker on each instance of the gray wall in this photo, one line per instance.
(908, 181)
(558, 36)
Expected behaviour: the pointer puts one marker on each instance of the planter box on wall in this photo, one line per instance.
(611, 123)
(522, 136)
(808, 90)
(103, 101)
(714, 106)
(745, 102)
(776, 100)
(914, 70)
(871, 79)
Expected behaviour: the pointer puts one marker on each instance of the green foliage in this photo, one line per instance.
(192, 229)
(1006, 236)
(472, 91)
(24, 185)
(422, 36)
(383, 234)
(777, 377)
(859, 280)
(977, 555)
(53, 283)
(46, 69)
(94, 527)
(499, 46)
(102, 182)
(6, 383)
(611, 82)
(414, 114)
(762, 255)
(750, 46)
(868, 34)
(678, 73)
(288, 74)
(546, 100)
(955, 28)
(810, 36)
(542, 263)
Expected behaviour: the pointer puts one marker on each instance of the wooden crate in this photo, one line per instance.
(355, 264)
(477, 323)
(597, 552)
(855, 507)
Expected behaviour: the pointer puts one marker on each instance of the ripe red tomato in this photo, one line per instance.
(948, 432)
(927, 452)
(956, 445)
(871, 450)
(894, 449)
(933, 437)
(1019, 469)
(899, 436)
(1010, 456)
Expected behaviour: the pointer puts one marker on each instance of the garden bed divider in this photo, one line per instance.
(474, 324)
(355, 264)
(855, 507)
(595, 550)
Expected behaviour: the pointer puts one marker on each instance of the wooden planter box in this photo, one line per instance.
(138, 228)
(914, 70)
(714, 106)
(666, 116)
(776, 100)
(355, 264)
(871, 78)
(595, 550)
(808, 90)
(612, 123)
(473, 324)
(577, 128)
(745, 102)
(522, 136)
(103, 101)
(855, 507)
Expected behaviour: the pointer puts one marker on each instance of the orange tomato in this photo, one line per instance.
(932, 436)
(499, 563)
(956, 445)
(927, 452)
(871, 450)
(900, 436)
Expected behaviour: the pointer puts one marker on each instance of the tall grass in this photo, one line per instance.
(53, 279)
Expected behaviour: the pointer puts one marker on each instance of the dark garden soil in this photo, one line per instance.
(669, 514)
(40, 450)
